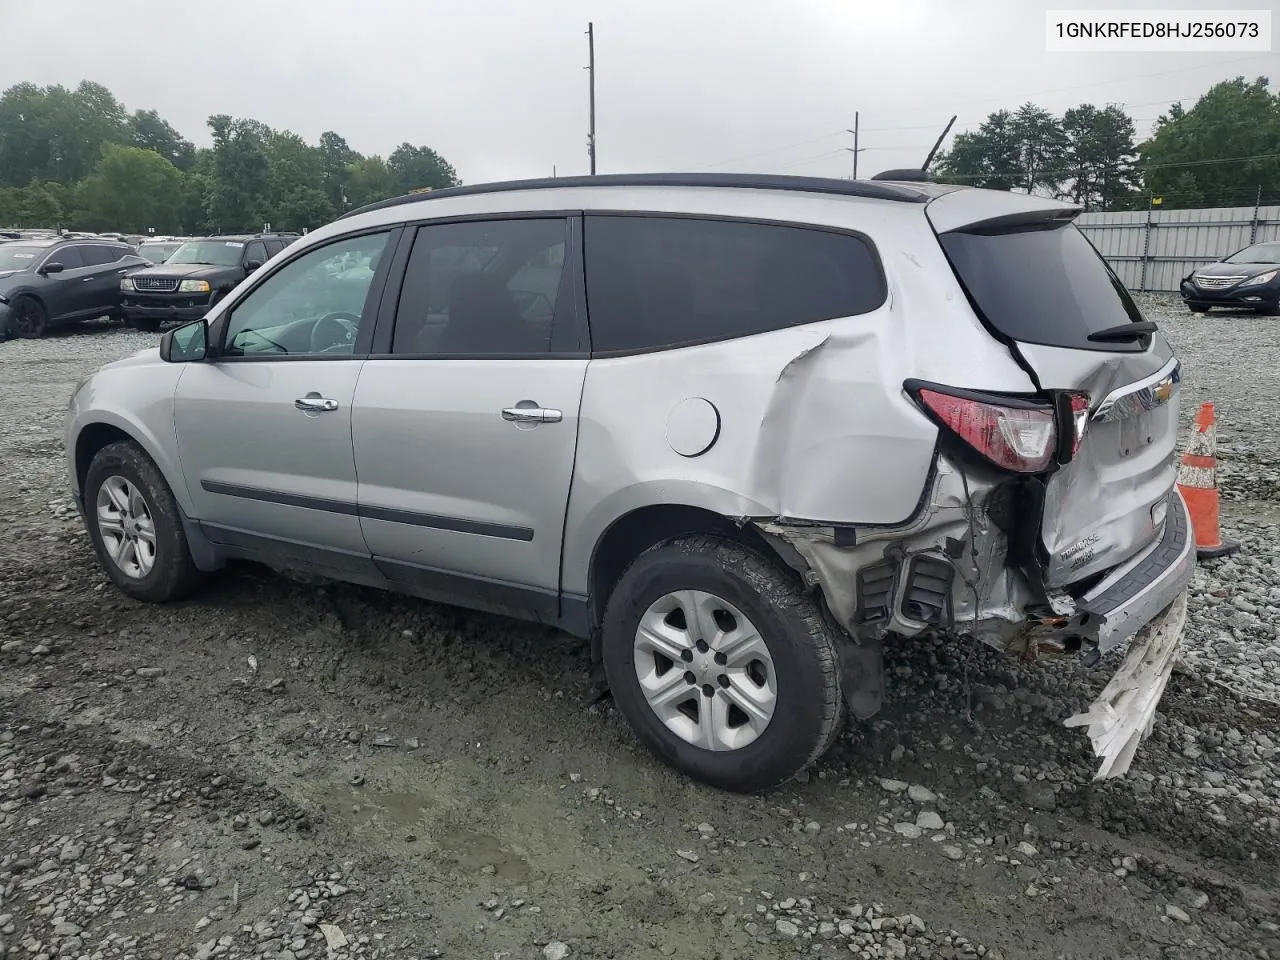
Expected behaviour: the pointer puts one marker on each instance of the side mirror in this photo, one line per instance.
(252, 265)
(49, 268)
(187, 344)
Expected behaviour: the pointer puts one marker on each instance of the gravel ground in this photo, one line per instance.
(287, 771)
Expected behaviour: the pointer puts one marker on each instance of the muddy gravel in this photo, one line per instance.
(281, 770)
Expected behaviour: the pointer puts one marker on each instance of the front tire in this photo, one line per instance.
(764, 700)
(136, 526)
(30, 320)
(145, 324)
(1197, 308)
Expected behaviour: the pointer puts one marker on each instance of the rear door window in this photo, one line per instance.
(1045, 285)
(655, 282)
(493, 287)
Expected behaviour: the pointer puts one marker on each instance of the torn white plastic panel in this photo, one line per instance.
(1122, 715)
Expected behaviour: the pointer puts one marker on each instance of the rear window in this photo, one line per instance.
(655, 282)
(1042, 285)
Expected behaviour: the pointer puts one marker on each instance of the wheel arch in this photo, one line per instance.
(633, 532)
(106, 429)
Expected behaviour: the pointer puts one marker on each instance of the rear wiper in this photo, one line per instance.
(1126, 331)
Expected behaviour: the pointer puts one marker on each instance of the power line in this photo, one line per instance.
(816, 156)
(1124, 106)
(1134, 169)
(782, 149)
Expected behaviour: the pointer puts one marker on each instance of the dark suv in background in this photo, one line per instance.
(44, 283)
(195, 277)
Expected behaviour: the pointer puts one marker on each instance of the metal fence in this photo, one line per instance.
(1154, 249)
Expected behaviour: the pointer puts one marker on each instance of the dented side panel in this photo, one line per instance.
(811, 422)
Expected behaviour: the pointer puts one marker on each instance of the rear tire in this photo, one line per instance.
(136, 526)
(782, 661)
(29, 319)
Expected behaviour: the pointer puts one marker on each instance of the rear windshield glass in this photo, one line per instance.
(1042, 285)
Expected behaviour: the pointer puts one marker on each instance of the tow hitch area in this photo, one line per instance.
(1122, 715)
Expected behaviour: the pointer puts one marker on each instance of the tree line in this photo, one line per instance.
(1224, 151)
(80, 160)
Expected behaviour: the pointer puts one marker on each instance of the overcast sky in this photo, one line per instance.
(498, 86)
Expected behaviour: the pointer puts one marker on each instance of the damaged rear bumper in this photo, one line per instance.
(964, 565)
(959, 567)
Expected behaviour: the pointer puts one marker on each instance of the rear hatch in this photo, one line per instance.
(1041, 287)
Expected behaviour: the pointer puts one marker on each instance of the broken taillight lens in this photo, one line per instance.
(1079, 419)
(1021, 438)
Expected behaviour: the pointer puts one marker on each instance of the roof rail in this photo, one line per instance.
(741, 181)
(904, 175)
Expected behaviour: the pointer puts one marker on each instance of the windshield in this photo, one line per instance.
(220, 253)
(1258, 253)
(17, 256)
(157, 252)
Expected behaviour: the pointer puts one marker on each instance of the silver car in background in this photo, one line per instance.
(736, 431)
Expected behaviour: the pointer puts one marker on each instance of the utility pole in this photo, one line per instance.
(591, 73)
(856, 150)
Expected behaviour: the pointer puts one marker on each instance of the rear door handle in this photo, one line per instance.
(532, 415)
(316, 404)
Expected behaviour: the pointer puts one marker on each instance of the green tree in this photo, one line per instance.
(1221, 152)
(131, 189)
(241, 174)
(152, 132)
(1100, 153)
(35, 205)
(193, 216)
(414, 168)
(305, 208)
(988, 157)
(1041, 147)
(335, 157)
(368, 180)
(52, 133)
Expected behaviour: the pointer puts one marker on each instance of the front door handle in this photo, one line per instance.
(316, 404)
(87, 280)
(532, 415)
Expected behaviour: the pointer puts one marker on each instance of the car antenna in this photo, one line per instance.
(911, 174)
(945, 130)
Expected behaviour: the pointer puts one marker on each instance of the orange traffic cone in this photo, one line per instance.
(1198, 484)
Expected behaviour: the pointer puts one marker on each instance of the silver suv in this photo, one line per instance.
(737, 431)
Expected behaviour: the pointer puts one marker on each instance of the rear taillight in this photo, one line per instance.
(1021, 436)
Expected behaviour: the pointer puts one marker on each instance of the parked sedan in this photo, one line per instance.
(1248, 279)
(44, 283)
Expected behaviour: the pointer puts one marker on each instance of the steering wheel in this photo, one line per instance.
(334, 332)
